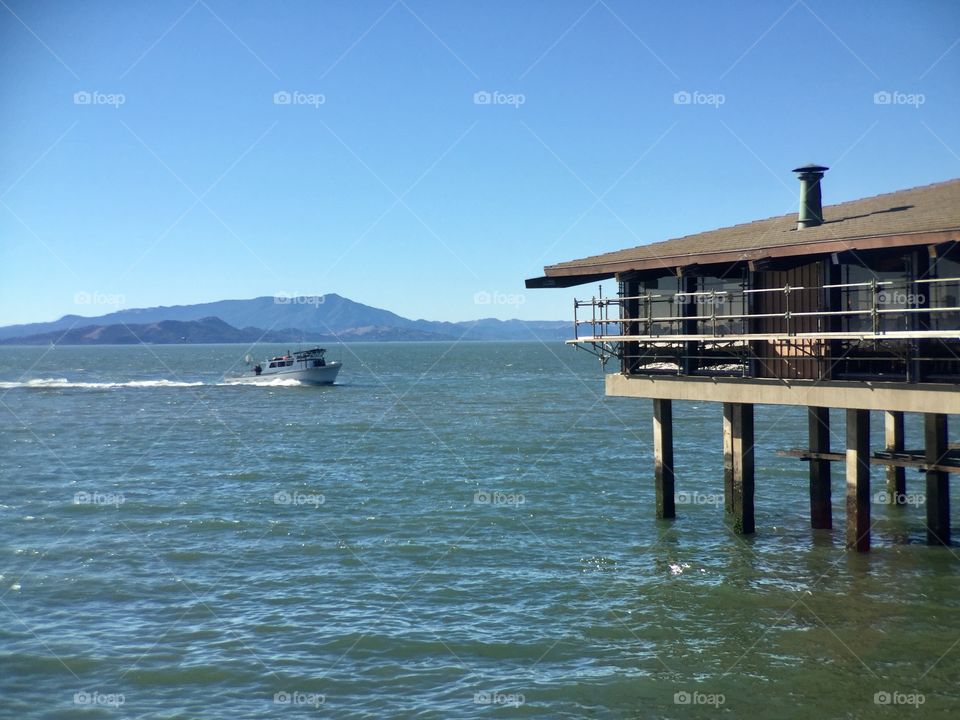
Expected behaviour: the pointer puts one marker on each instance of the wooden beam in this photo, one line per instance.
(896, 475)
(938, 489)
(738, 465)
(663, 457)
(907, 459)
(858, 480)
(818, 422)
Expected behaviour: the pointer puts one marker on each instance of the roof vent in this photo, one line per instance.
(811, 204)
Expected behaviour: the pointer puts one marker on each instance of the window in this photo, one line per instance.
(892, 292)
(662, 305)
(727, 299)
(944, 294)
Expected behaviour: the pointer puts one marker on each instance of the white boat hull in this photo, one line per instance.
(324, 375)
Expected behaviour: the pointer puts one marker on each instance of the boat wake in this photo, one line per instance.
(262, 382)
(42, 383)
(65, 384)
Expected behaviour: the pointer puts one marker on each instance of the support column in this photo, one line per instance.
(728, 457)
(821, 515)
(896, 476)
(858, 480)
(663, 457)
(738, 465)
(938, 489)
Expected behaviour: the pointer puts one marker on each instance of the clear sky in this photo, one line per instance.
(148, 160)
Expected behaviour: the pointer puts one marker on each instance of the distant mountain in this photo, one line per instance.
(165, 332)
(326, 318)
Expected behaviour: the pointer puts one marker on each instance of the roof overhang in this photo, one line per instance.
(574, 273)
(564, 281)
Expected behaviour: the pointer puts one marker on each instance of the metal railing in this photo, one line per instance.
(875, 301)
(863, 329)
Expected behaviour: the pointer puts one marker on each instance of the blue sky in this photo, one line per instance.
(177, 175)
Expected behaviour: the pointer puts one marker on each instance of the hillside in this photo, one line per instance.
(328, 318)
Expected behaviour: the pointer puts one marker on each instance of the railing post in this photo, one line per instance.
(648, 312)
(593, 315)
(874, 309)
(786, 304)
(713, 311)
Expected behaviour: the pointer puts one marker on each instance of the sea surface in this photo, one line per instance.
(451, 531)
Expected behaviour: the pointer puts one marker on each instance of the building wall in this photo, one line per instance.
(797, 360)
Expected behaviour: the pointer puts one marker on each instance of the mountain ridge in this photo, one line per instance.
(325, 318)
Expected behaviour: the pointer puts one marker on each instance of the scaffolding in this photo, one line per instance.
(702, 331)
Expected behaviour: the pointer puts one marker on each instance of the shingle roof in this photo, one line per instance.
(921, 210)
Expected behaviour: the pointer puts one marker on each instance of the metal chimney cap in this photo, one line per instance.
(810, 168)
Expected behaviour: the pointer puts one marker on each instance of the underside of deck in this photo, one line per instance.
(859, 395)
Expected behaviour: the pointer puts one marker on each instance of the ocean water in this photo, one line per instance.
(451, 531)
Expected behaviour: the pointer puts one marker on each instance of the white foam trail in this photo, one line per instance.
(269, 382)
(64, 383)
